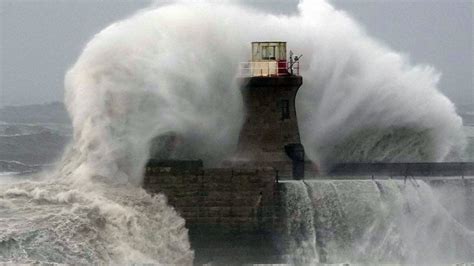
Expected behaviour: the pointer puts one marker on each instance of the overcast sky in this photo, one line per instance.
(41, 39)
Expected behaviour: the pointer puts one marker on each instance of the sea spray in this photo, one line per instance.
(299, 229)
(353, 83)
(382, 221)
(172, 69)
(144, 77)
(54, 222)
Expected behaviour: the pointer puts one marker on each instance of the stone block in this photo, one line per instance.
(185, 202)
(218, 176)
(218, 211)
(245, 171)
(188, 212)
(226, 187)
(244, 185)
(192, 179)
(191, 221)
(240, 211)
(255, 179)
(166, 179)
(209, 220)
(244, 220)
(243, 202)
(214, 203)
(212, 211)
(187, 193)
(219, 195)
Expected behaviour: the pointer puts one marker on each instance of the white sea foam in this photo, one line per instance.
(173, 69)
(383, 221)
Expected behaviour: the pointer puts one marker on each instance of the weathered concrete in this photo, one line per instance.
(230, 212)
(240, 200)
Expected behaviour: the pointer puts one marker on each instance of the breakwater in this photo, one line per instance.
(230, 212)
(403, 169)
(249, 216)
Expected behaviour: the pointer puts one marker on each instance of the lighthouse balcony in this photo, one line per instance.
(268, 68)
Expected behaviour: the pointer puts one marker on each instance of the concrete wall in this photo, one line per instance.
(230, 213)
(404, 169)
(240, 200)
(237, 215)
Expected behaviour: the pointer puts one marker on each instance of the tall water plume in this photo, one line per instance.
(171, 70)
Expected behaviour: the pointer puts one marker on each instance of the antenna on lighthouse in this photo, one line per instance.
(293, 61)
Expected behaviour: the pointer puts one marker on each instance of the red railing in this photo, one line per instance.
(268, 68)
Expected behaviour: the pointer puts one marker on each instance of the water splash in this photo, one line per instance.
(382, 221)
(143, 77)
(53, 222)
(173, 69)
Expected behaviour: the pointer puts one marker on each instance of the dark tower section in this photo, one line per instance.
(270, 135)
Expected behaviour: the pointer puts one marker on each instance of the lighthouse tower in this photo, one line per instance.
(270, 135)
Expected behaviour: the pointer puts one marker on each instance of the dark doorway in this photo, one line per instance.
(296, 153)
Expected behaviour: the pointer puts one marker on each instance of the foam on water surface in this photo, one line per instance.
(172, 69)
(383, 221)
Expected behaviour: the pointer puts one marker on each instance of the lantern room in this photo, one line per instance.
(269, 59)
(268, 51)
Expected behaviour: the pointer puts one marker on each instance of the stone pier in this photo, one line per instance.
(231, 213)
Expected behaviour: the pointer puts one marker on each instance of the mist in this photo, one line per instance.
(174, 70)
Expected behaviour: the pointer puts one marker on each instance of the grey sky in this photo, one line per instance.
(41, 39)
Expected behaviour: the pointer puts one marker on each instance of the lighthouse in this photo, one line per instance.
(242, 195)
(270, 137)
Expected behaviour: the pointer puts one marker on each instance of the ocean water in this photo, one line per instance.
(54, 222)
(133, 83)
(45, 217)
(372, 222)
(29, 147)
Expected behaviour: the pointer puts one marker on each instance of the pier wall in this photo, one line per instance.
(230, 212)
(403, 169)
(240, 215)
(240, 200)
